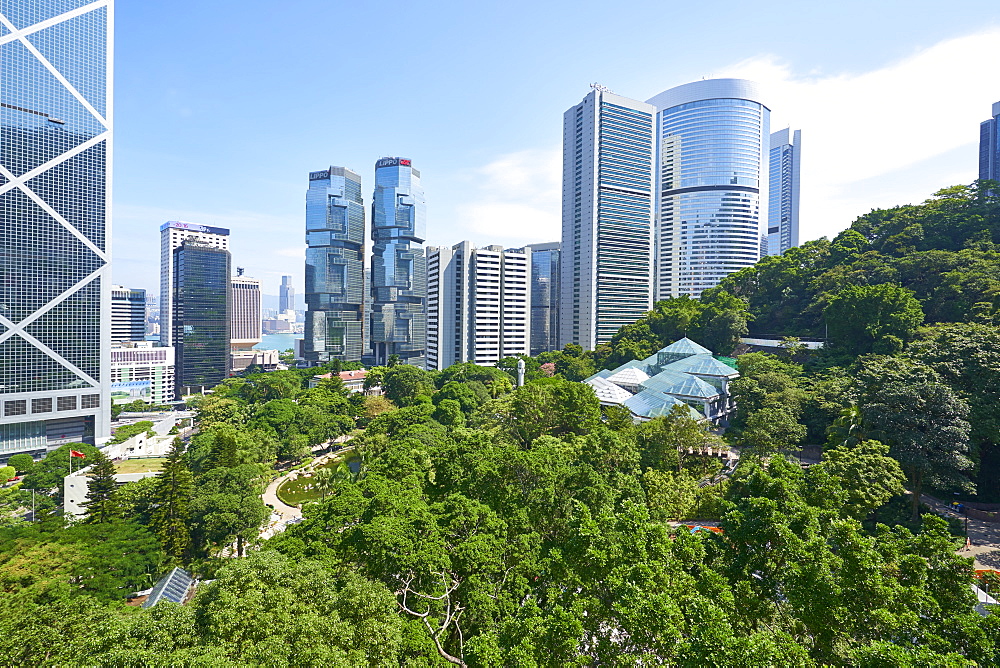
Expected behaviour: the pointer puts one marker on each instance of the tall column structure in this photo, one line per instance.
(478, 304)
(785, 168)
(989, 146)
(286, 293)
(399, 270)
(335, 233)
(245, 313)
(128, 314)
(607, 216)
(545, 282)
(172, 235)
(712, 143)
(56, 120)
(202, 299)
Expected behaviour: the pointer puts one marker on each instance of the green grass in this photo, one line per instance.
(140, 465)
(294, 492)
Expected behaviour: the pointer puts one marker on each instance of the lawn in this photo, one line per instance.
(143, 465)
(295, 492)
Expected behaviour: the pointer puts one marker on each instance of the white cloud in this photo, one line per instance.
(865, 134)
(514, 199)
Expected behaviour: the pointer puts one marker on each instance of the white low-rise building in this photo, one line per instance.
(142, 370)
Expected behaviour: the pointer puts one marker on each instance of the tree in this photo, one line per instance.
(102, 491)
(405, 384)
(269, 609)
(866, 318)
(662, 440)
(171, 518)
(449, 413)
(227, 505)
(324, 479)
(925, 425)
(772, 428)
(48, 473)
(722, 322)
(22, 462)
(867, 473)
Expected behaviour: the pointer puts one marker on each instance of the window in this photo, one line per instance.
(66, 403)
(91, 401)
(19, 407)
(43, 405)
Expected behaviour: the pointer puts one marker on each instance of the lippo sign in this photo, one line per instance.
(392, 162)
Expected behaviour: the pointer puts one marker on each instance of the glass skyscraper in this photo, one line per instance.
(785, 167)
(335, 233)
(544, 284)
(55, 166)
(399, 268)
(201, 326)
(607, 217)
(989, 146)
(712, 183)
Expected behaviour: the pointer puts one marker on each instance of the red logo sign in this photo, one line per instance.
(404, 163)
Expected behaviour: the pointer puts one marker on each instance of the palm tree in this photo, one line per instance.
(324, 479)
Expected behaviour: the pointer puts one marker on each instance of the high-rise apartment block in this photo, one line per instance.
(286, 293)
(712, 146)
(172, 235)
(335, 233)
(989, 146)
(607, 216)
(783, 196)
(55, 171)
(128, 314)
(140, 370)
(399, 271)
(544, 285)
(245, 313)
(200, 306)
(478, 304)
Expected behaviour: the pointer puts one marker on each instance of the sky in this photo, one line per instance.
(223, 107)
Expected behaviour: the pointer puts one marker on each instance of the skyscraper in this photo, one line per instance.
(55, 170)
(172, 235)
(399, 270)
(335, 233)
(607, 217)
(478, 304)
(544, 287)
(989, 146)
(128, 314)
(245, 313)
(201, 327)
(783, 203)
(712, 140)
(286, 293)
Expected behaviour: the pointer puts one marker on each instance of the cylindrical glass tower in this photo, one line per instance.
(712, 179)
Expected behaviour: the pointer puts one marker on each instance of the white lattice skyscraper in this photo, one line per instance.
(55, 166)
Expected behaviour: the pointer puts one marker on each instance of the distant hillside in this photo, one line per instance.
(946, 250)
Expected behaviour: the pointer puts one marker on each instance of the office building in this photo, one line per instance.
(399, 273)
(286, 293)
(128, 314)
(544, 297)
(142, 370)
(244, 313)
(335, 260)
(200, 308)
(785, 164)
(607, 217)
(712, 182)
(172, 235)
(55, 172)
(989, 146)
(478, 304)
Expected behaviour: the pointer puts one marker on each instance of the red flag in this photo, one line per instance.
(74, 453)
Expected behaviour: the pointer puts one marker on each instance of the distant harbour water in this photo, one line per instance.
(280, 342)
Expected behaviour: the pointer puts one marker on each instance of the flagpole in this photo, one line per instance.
(71, 461)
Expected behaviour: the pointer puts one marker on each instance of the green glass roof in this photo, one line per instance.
(704, 365)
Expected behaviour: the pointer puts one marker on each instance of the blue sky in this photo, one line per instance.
(223, 107)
